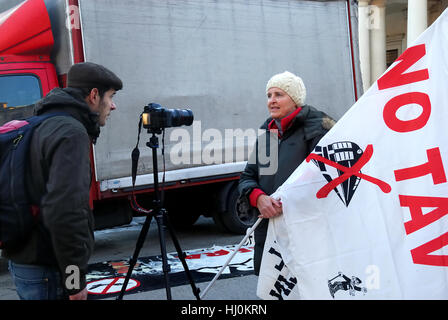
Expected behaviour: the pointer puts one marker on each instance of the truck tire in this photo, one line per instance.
(233, 219)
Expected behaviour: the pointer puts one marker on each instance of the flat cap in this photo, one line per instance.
(92, 75)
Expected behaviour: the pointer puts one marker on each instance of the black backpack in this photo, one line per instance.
(17, 214)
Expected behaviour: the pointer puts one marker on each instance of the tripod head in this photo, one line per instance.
(155, 130)
(153, 142)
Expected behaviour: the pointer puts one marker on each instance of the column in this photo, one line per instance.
(378, 39)
(364, 42)
(417, 19)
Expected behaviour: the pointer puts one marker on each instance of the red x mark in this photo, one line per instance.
(348, 172)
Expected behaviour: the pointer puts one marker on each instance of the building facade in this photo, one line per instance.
(387, 27)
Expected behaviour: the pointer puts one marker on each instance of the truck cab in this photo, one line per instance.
(26, 71)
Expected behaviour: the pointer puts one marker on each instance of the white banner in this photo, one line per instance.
(364, 217)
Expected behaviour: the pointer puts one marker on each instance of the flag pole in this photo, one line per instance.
(248, 233)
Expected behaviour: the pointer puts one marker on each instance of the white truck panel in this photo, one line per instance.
(215, 58)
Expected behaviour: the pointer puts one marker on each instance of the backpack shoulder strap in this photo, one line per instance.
(34, 120)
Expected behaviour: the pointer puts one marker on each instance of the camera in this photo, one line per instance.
(157, 117)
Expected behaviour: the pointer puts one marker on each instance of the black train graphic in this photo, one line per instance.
(346, 154)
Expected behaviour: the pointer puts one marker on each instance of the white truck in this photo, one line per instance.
(213, 57)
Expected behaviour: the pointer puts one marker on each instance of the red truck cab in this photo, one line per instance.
(26, 72)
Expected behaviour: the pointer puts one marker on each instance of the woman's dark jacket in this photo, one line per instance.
(302, 135)
(59, 181)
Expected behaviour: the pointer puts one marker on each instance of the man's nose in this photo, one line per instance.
(113, 106)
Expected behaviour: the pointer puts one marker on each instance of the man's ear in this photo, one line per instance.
(93, 99)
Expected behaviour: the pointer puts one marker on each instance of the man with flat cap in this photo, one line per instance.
(52, 262)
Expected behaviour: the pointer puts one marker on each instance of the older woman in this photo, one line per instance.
(300, 127)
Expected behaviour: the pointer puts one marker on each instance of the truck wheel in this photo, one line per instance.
(235, 220)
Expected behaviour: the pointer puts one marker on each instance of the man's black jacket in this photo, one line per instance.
(58, 181)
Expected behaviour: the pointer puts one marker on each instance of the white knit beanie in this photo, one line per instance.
(291, 84)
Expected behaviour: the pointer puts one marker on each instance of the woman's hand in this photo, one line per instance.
(268, 207)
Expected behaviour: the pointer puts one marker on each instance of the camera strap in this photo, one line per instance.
(135, 155)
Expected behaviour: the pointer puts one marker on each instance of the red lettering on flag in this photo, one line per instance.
(420, 255)
(392, 106)
(217, 253)
(348, 172)
(434, 166)
(396, 76)
(418, 219)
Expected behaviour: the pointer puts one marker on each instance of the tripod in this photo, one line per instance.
(160, 214)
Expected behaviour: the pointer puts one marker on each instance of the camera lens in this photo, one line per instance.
(181, 117)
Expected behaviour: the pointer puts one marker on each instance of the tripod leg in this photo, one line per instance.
(181, 256)
(133, 260)
(165, 266)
